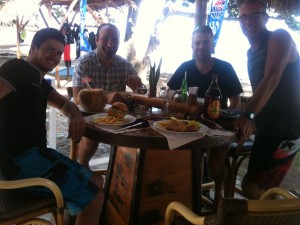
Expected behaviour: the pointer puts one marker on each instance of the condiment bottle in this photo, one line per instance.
(163, 92)
(183, 89)
(212, 100)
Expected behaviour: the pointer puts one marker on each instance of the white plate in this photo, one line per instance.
(91, 119)
(107, 106)
(202, 129)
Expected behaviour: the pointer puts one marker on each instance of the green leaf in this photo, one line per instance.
(157, 74)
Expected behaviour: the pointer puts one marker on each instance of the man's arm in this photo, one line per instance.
(134, 82)
(235, 102)
(281, 51)
(69, 109)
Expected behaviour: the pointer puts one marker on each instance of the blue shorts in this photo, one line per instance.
(72, 178)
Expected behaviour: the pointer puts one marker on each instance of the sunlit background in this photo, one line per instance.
(174, 34)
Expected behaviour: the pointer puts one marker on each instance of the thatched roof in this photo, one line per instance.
(93, 4)
(284, 7)
(8, 16)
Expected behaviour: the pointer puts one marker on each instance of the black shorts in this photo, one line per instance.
(270, 159)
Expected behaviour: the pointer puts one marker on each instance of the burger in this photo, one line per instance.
(118, 110)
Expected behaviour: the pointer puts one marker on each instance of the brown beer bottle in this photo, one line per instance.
(212, 100)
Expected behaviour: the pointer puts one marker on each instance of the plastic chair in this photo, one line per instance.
(23, 208)
(231, 211)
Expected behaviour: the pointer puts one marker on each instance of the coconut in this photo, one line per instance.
(92, 99)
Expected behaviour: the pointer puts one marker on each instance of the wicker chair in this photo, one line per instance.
(22, 208)
(237, 154)
(266, 211)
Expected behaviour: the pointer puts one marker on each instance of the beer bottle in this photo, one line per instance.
(183, 88)
(212, 100)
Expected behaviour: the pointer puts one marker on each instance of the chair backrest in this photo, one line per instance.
(258, 212)
(19, 207)
(269, 210)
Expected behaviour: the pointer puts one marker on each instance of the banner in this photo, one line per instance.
(215, 17)
(82, 5)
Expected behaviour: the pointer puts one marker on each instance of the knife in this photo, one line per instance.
(127, 127)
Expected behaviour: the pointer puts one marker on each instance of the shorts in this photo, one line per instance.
(270, 160)
(72, 178)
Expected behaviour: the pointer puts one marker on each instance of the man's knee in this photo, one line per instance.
(98, 180)
(88, 143)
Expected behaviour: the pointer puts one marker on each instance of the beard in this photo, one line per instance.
(46, 65)
(109, 52)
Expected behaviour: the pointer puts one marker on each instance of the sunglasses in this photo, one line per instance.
(251, 17)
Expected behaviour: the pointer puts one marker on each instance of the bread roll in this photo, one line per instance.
(92, 100)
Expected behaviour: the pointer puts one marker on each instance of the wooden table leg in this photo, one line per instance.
(74, 150)
(198, 157)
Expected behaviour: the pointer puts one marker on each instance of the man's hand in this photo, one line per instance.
(115, 97)
(76, 127)
(245, 128)
(211, 124)
(134, 82)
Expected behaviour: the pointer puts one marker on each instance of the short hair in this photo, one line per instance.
(47, 33)
(203, 29)
(109, 25)
(262, 2)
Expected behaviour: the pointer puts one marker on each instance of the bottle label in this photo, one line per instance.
(214, 109)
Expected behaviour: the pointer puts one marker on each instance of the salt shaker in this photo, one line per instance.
(178, 96)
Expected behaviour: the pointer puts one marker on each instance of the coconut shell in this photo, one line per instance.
(92, 100)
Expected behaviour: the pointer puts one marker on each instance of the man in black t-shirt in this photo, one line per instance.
(199, 72)
(24, 95)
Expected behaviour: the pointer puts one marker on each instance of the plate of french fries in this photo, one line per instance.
(103, 120)
(176, 126)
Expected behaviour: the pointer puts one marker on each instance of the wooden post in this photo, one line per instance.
(57, 77)
(18, 38)
(200, 12)
(98, 19)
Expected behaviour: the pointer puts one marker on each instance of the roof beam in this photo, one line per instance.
(70, 9)
(98, 19)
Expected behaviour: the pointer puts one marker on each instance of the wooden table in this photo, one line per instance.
(144, 175)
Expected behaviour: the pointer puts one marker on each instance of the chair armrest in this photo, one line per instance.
(276, 191)
(184, 211)
(269, 201)
(14, 184)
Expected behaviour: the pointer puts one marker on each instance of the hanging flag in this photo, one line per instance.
(82, 5)
(215, 17)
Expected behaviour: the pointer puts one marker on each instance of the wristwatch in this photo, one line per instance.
(249, 115)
